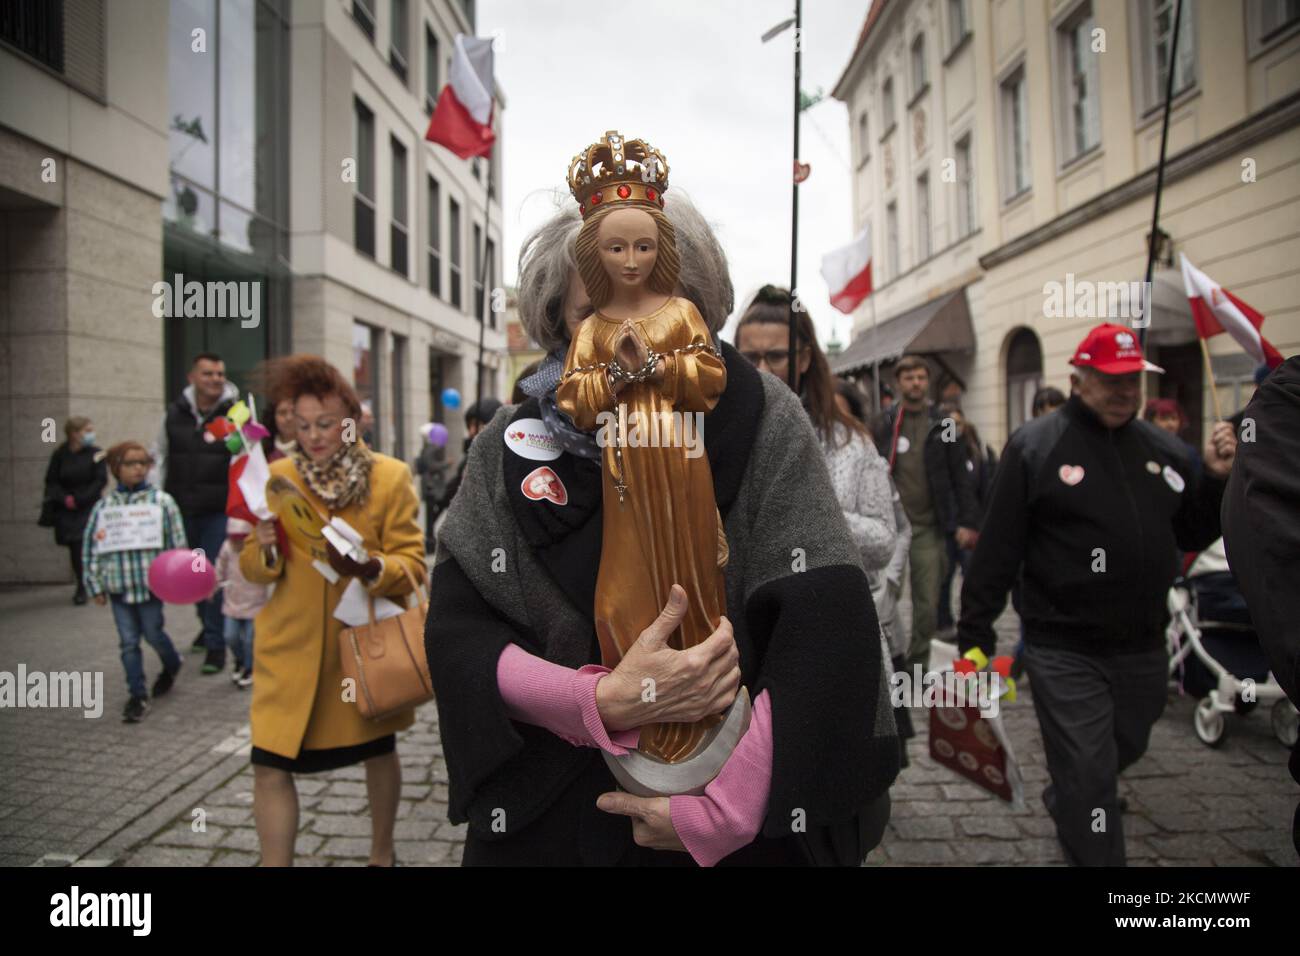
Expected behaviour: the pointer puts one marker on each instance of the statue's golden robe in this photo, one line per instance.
(666, 530)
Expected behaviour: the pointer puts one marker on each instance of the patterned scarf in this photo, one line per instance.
(541, 385)
(341, 479)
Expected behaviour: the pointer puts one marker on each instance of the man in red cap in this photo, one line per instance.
(1092, 505)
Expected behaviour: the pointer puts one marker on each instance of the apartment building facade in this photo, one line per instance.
(1003, 149)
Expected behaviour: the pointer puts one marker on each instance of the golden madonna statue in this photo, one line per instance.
(643, 370)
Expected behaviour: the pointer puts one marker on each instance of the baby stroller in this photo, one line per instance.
(1214, 653)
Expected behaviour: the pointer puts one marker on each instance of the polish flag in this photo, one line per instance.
(1216, 310)
(847, 272)
(462, 119)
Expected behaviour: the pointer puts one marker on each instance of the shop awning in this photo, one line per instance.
(940, 325)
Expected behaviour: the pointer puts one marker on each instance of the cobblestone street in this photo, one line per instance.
(97, 792)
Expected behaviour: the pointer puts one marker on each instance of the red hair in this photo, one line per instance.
(295, 375)
(1157, 407)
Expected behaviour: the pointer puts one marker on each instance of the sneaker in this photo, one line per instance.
(79, 597)
(214, 663)
(235, 673)
(164, 683)
(135, 710)
(245, 678)
(199, 644)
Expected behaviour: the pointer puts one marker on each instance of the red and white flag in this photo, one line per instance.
(1216, 310)
(462, 119)
(847, 272)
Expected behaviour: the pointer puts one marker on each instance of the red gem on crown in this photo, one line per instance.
(650, 193)
(595, 199)
(624, 192)
(582, 208)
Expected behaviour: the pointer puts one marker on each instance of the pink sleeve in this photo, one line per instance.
(730, 812)
(558, 698)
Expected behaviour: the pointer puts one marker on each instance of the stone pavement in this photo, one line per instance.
(99, 792)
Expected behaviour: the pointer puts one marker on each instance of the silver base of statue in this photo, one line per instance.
(647, 776)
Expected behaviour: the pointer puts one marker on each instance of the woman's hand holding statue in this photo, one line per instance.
(655, 683)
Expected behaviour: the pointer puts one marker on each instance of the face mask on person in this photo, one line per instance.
(88, 438)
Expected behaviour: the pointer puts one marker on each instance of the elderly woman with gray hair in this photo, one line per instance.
(524, 707)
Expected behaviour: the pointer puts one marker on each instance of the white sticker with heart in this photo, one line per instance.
(1174, 480)
(1071, 474)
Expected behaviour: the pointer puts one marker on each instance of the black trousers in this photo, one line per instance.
(74, 551)
(1096, 715)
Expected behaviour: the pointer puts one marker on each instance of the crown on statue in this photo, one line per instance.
(616, 170)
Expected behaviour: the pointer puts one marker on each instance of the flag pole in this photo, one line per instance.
(1154, 241)
(482, 281)
(1209, 372)
(875, 365)
(792, 371)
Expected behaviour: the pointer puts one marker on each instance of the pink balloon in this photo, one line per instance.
(180, 576)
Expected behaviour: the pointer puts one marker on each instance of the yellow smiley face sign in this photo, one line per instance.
(301, 522)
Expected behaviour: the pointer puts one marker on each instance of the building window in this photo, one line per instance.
(363, 204)
(398, 232)
(1024, 377)
(478, 272)
(491, 279)
(1079, 83)
(431, 86)
(397, 362)
(363, 11)
(1275, 17)
(965, 189)
(891, 240)
(367, 344)
(36, 28)
(864, 143)
(454, 223)
(435, 238)
(923, 217)
(1015, 131)
(397, 39)
(958, 24)
(887, 104)
(1157, 33)
(437, 382)
(918, 65)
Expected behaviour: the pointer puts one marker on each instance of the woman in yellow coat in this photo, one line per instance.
(302, 720)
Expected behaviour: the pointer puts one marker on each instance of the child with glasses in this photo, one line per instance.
(127, 529)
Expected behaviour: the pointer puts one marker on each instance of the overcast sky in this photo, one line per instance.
(692, 78)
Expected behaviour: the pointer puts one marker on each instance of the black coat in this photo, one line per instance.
(952, 488)
(82, 474)
(1261, 521)
(198, 471)
(1096, 516)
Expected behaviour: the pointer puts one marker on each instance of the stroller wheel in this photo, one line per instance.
(1286, 723)
(1209, 723)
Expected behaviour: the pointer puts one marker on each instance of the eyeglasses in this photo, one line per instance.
(136, 461)
(774, 358)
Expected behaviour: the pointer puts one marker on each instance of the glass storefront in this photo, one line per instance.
(226, 216)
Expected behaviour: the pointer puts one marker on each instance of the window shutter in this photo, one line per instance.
(83, 46)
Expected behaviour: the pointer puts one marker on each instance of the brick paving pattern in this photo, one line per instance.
(99, 792)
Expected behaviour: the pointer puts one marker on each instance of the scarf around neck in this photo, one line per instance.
(341, 479)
